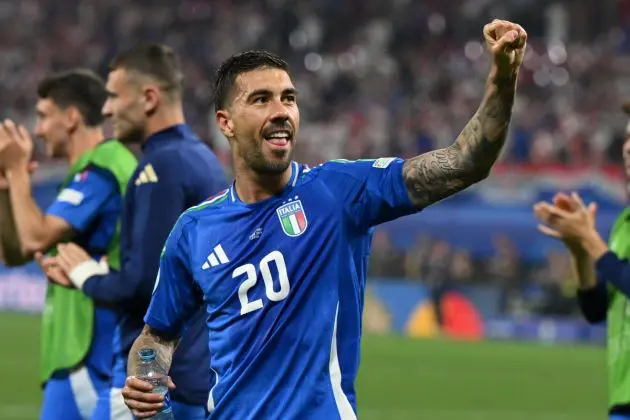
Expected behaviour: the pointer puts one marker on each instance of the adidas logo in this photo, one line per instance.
(216, 257)
(147, 175)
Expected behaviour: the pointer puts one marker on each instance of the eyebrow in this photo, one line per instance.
(259, 92)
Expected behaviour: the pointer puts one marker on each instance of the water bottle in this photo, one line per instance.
(152, 373)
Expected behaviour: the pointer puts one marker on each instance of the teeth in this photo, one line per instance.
(278, 136)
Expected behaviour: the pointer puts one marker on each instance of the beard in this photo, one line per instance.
(256, 160)
(132, 135)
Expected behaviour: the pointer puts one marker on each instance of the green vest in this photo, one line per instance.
(68, 318)
(618, 319)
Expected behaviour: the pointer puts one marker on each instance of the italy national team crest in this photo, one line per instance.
(292, 218)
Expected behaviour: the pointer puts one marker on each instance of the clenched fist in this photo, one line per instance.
(506, 41)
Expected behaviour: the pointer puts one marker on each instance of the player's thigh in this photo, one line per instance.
(111, 406)
(72, 397)
(187, 411)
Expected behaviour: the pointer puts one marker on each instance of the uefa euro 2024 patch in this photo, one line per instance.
(292, 217)
(383, 163)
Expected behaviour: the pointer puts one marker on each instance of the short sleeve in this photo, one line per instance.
(372, 191)
(84, 197)
(176, 297)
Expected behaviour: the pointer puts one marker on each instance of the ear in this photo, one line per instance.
(152, 97)
(225, 123)
(72, 118)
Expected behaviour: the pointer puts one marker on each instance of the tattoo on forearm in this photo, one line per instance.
(440, 173)
(164, 347)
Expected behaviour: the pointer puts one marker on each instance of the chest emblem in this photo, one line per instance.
(292, 217)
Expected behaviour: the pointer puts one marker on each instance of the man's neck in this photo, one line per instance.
(252, 187)
(163, 119)
(82, 140)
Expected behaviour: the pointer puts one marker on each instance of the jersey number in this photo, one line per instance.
(249, 270)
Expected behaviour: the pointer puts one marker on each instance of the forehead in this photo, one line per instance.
(273, 80)
(116, 79)
(46, 106)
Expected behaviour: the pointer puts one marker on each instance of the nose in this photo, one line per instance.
(38, 130)
(279, 112)
(107, 109)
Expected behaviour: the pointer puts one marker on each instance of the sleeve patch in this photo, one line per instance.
(383, 163)
(71, 196)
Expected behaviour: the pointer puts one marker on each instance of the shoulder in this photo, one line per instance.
(94, 176)
(346, 168)
(209, 207)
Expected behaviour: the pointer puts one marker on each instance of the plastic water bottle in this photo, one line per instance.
(152, 373)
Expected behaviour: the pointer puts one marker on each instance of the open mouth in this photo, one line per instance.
(279, 138)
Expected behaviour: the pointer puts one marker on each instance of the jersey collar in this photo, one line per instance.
(295, 174)
(172, 133)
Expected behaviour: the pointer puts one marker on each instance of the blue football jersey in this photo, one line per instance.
(283, 284)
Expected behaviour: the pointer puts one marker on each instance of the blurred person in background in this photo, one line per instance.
(177, 171)
(279, 362)
(77, 331)
(603, 276)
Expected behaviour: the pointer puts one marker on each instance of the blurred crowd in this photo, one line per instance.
(526, 287)
(376, 77)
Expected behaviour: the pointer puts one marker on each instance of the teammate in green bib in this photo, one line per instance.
(603, 274)
(77, 333)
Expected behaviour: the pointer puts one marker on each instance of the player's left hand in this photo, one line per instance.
(70, 255)
(573, 223)
(52, 270)
(507, 42)
(16, 146)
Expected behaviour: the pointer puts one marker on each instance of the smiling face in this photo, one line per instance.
(261, 120)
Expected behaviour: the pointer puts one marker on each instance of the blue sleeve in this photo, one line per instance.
(594, 302)
(371, 191)
(83, 198)
(176, 297)
(615, 271)
(157, 207)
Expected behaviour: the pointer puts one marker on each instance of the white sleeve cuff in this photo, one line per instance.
(79, 274)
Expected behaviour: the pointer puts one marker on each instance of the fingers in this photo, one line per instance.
(76, 252)
(32, 167)
(508, 42)
(592, 210)
(71, 255)
(549, 231)
(542, 212)
(133, 383)
(563, 201)
(139, 398)
(497, 29)
(12, 130)
(171, 384)
(578, 200)
(24, 135)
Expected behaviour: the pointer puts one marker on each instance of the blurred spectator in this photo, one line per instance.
(377, 78)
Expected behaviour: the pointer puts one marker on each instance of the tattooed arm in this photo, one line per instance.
(164, 347)
(438, 174)
(138, 394)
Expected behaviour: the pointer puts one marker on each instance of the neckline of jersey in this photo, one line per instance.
(235, 199)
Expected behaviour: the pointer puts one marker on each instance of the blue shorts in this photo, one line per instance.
(111, 406)
(619, 417)
(73, 396)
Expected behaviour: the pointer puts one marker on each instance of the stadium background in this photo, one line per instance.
(383, 78)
